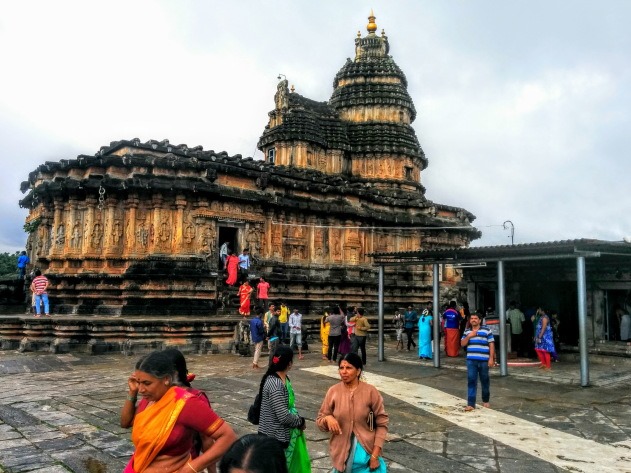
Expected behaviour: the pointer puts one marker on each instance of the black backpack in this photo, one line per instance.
(254, 412)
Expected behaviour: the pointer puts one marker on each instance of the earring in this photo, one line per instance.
(166, 382)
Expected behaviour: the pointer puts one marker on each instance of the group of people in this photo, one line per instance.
(175, 429)
(453, 324)
(275, 325)
(543, 337)
(236, 267)
(342, 332)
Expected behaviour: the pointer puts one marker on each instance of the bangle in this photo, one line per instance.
(132, 398)
(372, 456)
(191, 467)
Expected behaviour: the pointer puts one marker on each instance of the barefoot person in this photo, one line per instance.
(480, 346)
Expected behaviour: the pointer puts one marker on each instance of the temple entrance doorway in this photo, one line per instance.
(229, 235)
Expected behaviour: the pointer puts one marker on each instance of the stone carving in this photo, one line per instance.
(337, 248)
(281, 98)
(189, 233)
(117, 232)
(142, 235)
(253, 239)
(61, 234)
(164, 233)
(96, 236)
(76, 238)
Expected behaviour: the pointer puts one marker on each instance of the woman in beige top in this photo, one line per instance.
(353, 412)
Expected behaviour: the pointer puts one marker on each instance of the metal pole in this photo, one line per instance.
(380, 355)
(501, 302)
(436, 325)
(582, 319)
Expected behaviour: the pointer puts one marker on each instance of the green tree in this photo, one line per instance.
(8, 263)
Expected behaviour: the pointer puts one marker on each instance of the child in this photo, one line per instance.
(398, 322)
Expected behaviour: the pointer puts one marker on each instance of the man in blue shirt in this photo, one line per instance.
(23, 260)
(480, 356)
(257, 332)
(244, 264)
(410, 321)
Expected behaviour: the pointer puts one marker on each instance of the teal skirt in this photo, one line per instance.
(359, 459)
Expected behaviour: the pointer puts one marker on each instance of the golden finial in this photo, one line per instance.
(359, 34)
(372, 26)
(293, 89)
(383, 33)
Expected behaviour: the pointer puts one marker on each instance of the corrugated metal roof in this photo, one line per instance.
(526, 251)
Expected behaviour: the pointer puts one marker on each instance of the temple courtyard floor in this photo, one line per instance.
(60, 413)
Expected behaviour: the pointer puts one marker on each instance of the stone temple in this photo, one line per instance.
(135, 229)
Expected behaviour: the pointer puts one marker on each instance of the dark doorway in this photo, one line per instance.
(227, 234)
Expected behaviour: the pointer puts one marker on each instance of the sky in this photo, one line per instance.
(523, 108)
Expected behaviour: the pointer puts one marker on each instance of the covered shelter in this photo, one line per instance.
(576, 260)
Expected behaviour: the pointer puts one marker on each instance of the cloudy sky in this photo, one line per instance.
(523, 107)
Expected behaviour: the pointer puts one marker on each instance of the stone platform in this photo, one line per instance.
(128, 335)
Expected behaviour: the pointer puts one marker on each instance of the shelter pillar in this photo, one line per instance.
(501, 303)
(380, 349)
(436, 315)
(582, 319)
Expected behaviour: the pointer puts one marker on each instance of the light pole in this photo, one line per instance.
(512, 231)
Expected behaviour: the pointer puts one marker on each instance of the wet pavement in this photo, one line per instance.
(60, 413)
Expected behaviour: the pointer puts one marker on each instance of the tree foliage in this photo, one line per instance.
(8, 263)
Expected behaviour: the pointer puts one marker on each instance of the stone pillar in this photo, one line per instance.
(311, 222)
(154, 243)
(180, 205)
(130, 225)
(90, 203)
(268, 229)
(59, 229)
(108, 227)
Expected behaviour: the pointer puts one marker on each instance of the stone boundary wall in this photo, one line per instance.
(133, 335)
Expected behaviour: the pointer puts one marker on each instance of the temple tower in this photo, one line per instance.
(363, 132)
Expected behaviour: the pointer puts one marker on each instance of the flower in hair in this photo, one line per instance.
(190, 377)
(276, 359)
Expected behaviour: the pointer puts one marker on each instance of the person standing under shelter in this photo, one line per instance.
(362, 326)
(23, 260)
(452, 330)
(262, 292)
(411, 319)
(516, 318)
(295, 331)
(257, 332)
(480, 346)
(335, 320)
(39, 285)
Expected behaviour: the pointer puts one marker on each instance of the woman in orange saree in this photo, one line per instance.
(167, 419)
(245, 292)
(232, 265)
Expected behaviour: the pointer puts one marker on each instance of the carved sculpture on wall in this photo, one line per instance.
(97, 235)
(189, 233)
(61, 234)
(142, 236)
(253, 239)
(337, 247)
(76, 238)
(117, 232)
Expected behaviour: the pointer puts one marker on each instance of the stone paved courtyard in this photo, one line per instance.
(59, 413)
